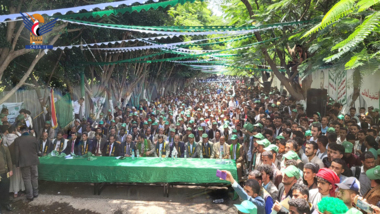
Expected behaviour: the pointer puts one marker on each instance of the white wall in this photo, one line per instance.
(369, 91)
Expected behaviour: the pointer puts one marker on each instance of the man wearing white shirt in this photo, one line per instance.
(113, 147)
(59, 143)
(78, 107)
(45, 145)
(98, 145)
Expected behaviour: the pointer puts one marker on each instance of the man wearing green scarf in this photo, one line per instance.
(191, 147)
(236, 153)
(205, 147)
(161, 145)
(145, 146)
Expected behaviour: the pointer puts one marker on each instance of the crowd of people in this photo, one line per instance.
(286, 162)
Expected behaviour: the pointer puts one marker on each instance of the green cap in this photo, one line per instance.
(294, 110)
(191, 136)
(290, 155)
(331, 130)
(259, 136)
(188, 115)
(47, 122)
(248, 126)
(150, 120)
(191, 121)
(273, 105)
(246, 207)
(200, 128)
(272, 147)
(258, 125)
(341, 117)
(265, 142)
(101, 113)
(234, 137)
(280, 137)
(347, 146)
(308, 133)
(376, 110)
(292, 171)
(154, 124)
(374, 173)
(234, 131)
(130, 115)
(189, 129)
(134, 122)
(113, 121)
(214, 123)
(204, 135)
(101, 122)
(172, 130)
(180, 119)
(178, 124)
(198, 109)
(109, 110)
(145, 123)
(124, 125)
(225, 125)
(202, 118)
(167, 123)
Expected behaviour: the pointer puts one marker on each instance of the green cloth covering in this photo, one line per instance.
(139, 170)
(64, 110)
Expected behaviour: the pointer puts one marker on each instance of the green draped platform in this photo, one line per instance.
(141, 170)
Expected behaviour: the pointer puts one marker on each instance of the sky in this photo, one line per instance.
(214, 7)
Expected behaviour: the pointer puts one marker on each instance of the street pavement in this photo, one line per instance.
(141, 199)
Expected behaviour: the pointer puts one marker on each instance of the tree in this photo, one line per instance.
(318, 45)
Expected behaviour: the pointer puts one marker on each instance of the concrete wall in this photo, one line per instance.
(369, 90)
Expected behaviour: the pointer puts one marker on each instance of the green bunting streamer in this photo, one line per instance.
(120, 11)
(186, 55)
(186, 28)
(239, 67)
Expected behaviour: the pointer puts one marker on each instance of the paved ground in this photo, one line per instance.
(120, 199)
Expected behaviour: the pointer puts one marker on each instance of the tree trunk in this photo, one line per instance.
(285, 81)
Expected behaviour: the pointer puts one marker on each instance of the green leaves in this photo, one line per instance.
(365, 4)
(370, 23)
(355, 61)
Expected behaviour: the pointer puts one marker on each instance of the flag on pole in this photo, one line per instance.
(54, 122)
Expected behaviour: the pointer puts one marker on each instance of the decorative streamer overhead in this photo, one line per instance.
(201, 61)
(232, 66)
(63, 11)
(131, 9)
(207, 30)
(186, 56)
(156, 45)
(111, 42)
(186, 28)
(177, 34)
